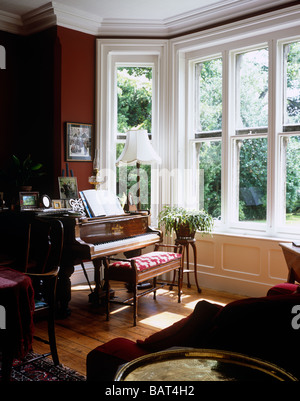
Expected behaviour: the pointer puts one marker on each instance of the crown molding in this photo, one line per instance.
(55, 13)
(39, 19)
(10, 23)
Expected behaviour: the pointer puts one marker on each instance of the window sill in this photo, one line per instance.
(242, 233)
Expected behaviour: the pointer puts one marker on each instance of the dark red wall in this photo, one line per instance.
(49, 80)
(77, 91)
(9, 99)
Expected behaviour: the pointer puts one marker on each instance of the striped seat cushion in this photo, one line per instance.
(149, 260)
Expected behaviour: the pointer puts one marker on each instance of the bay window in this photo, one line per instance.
(238, 122)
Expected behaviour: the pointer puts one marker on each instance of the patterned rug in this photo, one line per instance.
(43, 370)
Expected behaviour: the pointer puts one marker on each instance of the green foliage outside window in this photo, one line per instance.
(134, 91)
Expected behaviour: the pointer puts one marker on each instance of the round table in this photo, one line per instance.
(187, 364)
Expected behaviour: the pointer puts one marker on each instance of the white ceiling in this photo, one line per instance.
(123, 17)
(149, 9)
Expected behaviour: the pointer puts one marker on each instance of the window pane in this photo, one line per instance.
(127, 181)
(252, 89)
(292, 84)
(209, 156)
(252, 157)
(134, 97)
(292, 156)
(209, 95)
(134, 89)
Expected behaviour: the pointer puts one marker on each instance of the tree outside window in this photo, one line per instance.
(134, 109)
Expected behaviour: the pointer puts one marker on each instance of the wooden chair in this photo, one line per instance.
(42, 266)
(39, 256)
(140, 269)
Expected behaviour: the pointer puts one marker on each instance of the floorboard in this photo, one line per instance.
(87, 328)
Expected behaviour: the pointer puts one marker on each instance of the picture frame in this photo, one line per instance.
(68, 188)
(29, 200)
(56, 204)
(79, 141)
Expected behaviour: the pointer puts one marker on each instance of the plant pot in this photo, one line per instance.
(26, 188)
(184, 232)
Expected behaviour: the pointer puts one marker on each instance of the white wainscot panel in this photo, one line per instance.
(241, 259)
(276, 265)
(205, 254)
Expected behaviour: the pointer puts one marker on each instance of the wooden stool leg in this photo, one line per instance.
(173, 282)
(135, 306)
(107, 299)
(154, 285)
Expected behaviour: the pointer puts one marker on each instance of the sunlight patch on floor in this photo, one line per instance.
(162, 320)
(121, 308)
(191, 305)
(81, 287)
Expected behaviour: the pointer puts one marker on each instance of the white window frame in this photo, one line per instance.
(111, 53)
(192, 128)
(174, 138)
(280, 224)
(186, 52)
(233, 135)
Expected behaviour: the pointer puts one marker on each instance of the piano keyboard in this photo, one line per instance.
(112, 247)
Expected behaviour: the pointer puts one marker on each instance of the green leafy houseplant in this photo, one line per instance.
(185, 222)
(24, 172)
(19, 174)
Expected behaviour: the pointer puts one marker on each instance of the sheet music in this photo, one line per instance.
(102, 203)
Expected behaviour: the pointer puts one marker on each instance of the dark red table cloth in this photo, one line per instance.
(17, 297)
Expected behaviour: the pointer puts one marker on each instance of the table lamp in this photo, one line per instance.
(95, 179)
(138, 149)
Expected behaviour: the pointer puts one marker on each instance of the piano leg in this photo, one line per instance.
(63, 290)
(97, 296)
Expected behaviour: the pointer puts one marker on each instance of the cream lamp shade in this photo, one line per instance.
(138, 149)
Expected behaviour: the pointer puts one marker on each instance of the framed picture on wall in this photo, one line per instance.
(68, 187)
(79, 141)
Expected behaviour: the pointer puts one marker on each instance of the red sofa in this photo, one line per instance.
(258, 327)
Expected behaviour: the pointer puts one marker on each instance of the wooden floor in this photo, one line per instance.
(86, 327)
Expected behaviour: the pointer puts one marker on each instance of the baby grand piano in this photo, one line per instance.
(92, 239)
(87, 238)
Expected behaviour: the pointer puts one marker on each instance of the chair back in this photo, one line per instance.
(45, 245)
(14, 239)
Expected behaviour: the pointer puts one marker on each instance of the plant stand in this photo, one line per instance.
(186, 242)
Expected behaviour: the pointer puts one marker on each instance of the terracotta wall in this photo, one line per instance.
(49, 79)
(77, 91)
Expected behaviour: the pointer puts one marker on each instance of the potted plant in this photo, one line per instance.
(184, 222)
(24, 172)
(20, 175)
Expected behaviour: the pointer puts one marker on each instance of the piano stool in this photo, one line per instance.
(139, 269)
